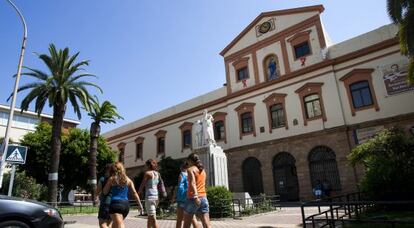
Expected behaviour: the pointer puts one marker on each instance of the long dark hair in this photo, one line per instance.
(193, 158)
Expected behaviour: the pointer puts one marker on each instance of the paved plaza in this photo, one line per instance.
(285, 217)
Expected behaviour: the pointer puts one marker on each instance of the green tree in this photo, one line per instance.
(99, 113)
(169, 170)
(401, 13)
(25, 186)
(388, 159)
(64, 83)
(73, 170)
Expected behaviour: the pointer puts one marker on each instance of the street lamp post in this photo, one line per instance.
(5, 144)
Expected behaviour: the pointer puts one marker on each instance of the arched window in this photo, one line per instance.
(323, 167)
(285, 177)
(271, 67)
(252, 176)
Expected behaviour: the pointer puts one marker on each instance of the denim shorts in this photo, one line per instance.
(181, 204)
(192, 208)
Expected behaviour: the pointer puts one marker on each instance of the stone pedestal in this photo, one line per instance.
(215, 164)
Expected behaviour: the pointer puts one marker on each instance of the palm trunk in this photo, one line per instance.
(94, 133)
(58, 115)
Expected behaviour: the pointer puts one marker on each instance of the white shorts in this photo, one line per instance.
(151, 206)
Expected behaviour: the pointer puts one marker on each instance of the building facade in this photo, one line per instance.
(26, 122)
(293, 106)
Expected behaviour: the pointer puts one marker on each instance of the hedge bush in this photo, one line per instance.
(220, 202)
(25, 187)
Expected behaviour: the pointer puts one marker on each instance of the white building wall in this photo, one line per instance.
(335, 100)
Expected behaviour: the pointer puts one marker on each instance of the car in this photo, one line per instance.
(24, 213)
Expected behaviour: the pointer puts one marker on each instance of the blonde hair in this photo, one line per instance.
(118, 171)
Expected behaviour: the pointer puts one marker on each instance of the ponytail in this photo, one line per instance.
(196, 161)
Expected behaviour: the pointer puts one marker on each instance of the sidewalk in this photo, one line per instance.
(286, 217)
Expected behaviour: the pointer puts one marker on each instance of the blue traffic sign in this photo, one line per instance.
(16, 154)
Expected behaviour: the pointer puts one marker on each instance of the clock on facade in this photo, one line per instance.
(265, 27)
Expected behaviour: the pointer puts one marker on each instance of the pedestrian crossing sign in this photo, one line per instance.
(16, 154)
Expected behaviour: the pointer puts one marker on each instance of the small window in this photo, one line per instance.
(242, 73)
(161, 145)
(219, 130)
(138, 151)
(121, 155)
(187, 139)
(277, 115)
(313, 106)
(247, 122)
(302, 49)
(361, 94)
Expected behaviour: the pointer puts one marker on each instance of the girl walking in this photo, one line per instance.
(119, 185)
(150, 183)
(104, 200)
(181, 197)
(197, 202)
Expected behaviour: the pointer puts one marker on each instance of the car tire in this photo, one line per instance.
(13, 224)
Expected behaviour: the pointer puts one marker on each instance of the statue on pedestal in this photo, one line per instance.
(210, 153)
(208, 129)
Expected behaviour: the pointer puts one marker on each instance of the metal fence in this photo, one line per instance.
(347, 209)
(237, 207)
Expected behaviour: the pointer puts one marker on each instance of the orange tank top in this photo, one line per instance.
(200, 179)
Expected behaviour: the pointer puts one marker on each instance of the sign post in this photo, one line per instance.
(15, 155)
(11, 180)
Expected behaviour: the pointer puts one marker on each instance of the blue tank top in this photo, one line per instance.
(119, 193)
(182, 188)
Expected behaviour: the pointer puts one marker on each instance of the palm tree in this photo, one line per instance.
(401, 13)
(105, 113)
(62, 84)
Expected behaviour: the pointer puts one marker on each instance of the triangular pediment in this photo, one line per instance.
(270, 23)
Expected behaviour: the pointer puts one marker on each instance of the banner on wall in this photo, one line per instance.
(363, 134)
(395, 78)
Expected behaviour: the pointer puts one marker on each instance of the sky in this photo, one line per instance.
(152, 54)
